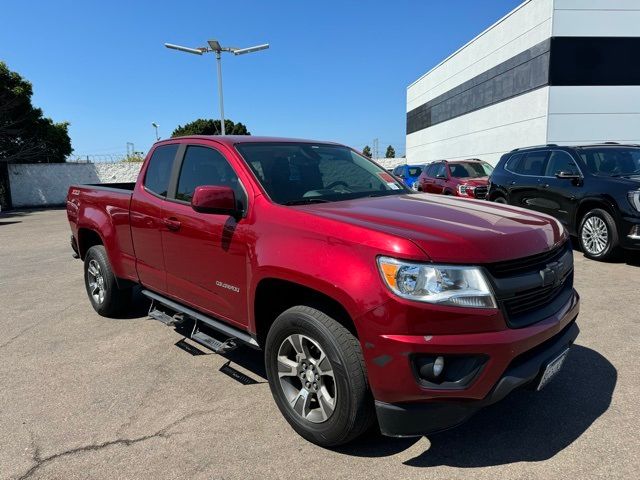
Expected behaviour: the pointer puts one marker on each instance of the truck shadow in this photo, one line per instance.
(525, 426)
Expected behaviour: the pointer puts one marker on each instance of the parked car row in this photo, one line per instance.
(593, 190)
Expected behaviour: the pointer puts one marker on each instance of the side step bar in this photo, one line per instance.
(199, 336)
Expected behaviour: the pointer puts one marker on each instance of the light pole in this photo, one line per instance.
(155, 125)
(214, 46)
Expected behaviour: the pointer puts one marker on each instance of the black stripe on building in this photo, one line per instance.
(558, 61)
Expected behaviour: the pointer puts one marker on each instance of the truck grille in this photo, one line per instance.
(520, 266)
(481, 192)
(527, 301)
(534, 298)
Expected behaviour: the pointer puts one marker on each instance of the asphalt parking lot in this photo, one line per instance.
(83, 396)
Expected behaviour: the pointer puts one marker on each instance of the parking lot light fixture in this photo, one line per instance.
(155, 125)
(214, 46)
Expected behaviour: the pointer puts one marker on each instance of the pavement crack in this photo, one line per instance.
(40, 461)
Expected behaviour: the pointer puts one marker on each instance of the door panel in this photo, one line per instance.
(523, 187)
(558, 195)
(206, 254)
(146, 213)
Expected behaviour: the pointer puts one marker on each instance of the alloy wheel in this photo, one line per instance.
(96, 282)
(595, 235)
(306, 378)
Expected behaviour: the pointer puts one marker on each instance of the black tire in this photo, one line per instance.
(501, 200)
(114, 300)
(612, 249)
(353, 413)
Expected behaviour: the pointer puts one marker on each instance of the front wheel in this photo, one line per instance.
(500, 200)
(317, 377)
(598, 235)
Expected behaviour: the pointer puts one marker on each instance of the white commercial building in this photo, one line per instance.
(551, 71)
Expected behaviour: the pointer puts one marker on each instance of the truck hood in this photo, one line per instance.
(450, 229)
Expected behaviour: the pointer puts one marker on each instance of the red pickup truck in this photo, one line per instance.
(371, 302)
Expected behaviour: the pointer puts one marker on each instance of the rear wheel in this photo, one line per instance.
(317, 377)
(102, 288)
(598, 235)
(500, 199)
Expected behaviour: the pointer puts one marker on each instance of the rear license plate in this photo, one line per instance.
(552, 369)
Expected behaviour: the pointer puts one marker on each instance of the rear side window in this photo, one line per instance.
(532, 164)
(441, 171)
(431, 170)
(156, 179)
(205, 166)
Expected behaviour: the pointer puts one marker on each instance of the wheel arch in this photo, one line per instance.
(87, 238)
(588, 204)
(274, 295)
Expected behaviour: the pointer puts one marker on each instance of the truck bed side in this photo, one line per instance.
(100, 214)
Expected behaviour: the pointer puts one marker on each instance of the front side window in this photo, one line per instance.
(561, 162)
(298, 173)
(470, 169)
(612, 161)
(205, 166)
(156, 179)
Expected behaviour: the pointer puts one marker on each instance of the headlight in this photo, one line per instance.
(465, 189)
(634, 199)
(441, 284)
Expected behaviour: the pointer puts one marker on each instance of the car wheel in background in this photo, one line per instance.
(598, 235)
(105, 296)
(317, 377)
(500, 199)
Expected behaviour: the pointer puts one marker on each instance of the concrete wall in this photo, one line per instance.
(521, 29)
(596, 18)
(489, 132)
(486, 134)
(46, 184)
(591, 114)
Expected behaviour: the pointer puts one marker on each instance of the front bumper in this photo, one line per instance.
(414, 419)
(630, 232)
(408, 406)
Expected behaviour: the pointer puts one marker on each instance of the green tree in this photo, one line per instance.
(391, 153)
(366, 151)
(26, 136)
(208, 126)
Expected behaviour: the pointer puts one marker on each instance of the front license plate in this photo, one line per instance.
(552, 369)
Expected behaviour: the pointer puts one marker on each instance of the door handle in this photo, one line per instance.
(171, 223)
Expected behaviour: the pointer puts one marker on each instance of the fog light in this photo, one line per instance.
(634, 234)
(438, 366)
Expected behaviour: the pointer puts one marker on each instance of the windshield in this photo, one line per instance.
(470, 169)
(415, 171)
(612, 161)
(299, 173)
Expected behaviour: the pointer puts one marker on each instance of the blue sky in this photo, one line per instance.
(336, 70)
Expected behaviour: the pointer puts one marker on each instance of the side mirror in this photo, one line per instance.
(568, 175)
(214, 199)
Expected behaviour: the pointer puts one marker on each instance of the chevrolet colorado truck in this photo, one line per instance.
(372, 303)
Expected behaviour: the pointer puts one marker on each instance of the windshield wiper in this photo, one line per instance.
(307, 201)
